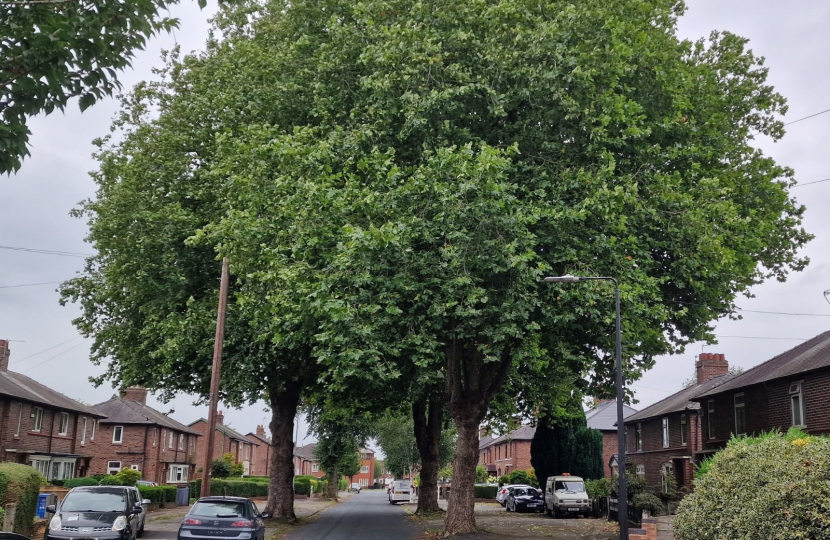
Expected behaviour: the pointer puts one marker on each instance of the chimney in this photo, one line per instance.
(709, 366)
(135, 393)
(260, 430)
(220, 418)
(4, 355)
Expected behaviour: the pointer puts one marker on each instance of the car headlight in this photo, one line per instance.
(119, 524)
(55, 524)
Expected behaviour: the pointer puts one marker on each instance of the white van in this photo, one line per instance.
(566, 494)
(400, 491)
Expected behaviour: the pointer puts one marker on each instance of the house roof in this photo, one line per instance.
(810, 355)
(306, 452)
(522, 433)
(229, 432)
(22, 387)
(604, 416)
(261, 438)
(128, 411)
(680, 401)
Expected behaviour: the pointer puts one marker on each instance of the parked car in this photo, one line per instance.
(146, 483)
(102, 512)
(523, 499)
(355, 487)
(566, 495)
(223, 518)
(501, 496)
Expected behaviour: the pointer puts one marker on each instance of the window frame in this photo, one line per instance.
(683, 440)
(19, 419)
(83, 432)
(710, 424)
(364, 469)
(120, 430)
(63, 427)
(111, 468)
(38, 423)
(170, 439)
(177, 473)
(94, 426)
(638, 437)
(315, 467)
(666, 441)
(181, 442)
(740, 413)
(793, 394)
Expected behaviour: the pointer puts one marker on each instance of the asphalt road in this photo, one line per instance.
(363, 516)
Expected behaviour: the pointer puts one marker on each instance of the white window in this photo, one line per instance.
(683, 429)
(94, 425)
(113, 467)
(638, 437)
(19, 420)
(38, 415)
(363, 482)
(135, 467)
(155, 434)
(641, 470)
(665, 432)
(181, 441)
(83, 433)
(710, 420)
(170, 440)
(42, 466)
(364, 469)
(53, 468)
(315, 467)
(64, 427)
(797, 404)
(118, 436)
(666, 477)
(177, 473)
(740, 414)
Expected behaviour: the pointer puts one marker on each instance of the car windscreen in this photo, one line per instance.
(95, 501)
(218, 509)
(569, 486)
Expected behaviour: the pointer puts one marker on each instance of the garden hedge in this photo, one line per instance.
(83, 481)
(774, 487)
(486, 492)
(302, 485)
(20, 484)
(158, 494)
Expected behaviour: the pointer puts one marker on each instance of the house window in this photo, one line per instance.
(710, 421)
(19, 420)
(170, 440)
(94, 425)
(155, 434)
(683, 429)
(797, 404)
(665, 432)
(315, 467)
(740, 414)
(38, 419)
(181, 441)
(641, 470)
(83, 433)
(113, 467)
(118, 436)
(177, 473)
(667, 477)
(364, 482)
(135, 467)
(364, 469)
(54, 468)
(64, 427)
(638, 437)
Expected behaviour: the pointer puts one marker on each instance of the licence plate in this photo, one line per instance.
(573, 509)
(532, 504)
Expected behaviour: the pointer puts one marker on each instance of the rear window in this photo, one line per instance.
(95, 501)
(218, 509)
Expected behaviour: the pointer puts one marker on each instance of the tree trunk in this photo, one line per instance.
(331, 489)
(471, 383)
(280, 488)
(428, 415)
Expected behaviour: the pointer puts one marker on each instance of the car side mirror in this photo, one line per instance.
(146, 501)
(137, 509)
(265, 515)
(51, 509)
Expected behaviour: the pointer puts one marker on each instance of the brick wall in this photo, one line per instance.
(654, 455)
(609, 448)
(507, 456)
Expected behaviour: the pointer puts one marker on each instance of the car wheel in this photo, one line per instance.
(547, 511)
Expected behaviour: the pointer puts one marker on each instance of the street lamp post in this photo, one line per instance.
(622, 496)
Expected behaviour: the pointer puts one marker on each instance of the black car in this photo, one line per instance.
(99, 512)
(221, 518)
(525, 499)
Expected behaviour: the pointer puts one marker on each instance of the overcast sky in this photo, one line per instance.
(36, 202)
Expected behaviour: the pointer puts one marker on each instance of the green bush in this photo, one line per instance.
(650, 502)
(196, 488)
(168, 493)
(302, 485)
(504, 480)
(343, 484)
(220, 469)
(598, 488)
(128, 477)
(238, 488)
(84, 481)
(522, 477)
(486, 492)
(151, 492)
(20, 484)
(772, 486)
(111, 481)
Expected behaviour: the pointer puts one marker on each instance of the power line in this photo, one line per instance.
(806, 117)
(46, 350)
(814, 182)
(29, 284)
(764, 337)
(48, 252)
(53, 357)
(759, 311)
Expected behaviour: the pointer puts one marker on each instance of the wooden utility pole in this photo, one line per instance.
(215, 374)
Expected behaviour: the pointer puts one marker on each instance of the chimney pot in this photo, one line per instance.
(709, 366)
(4, 355)
(220, 418)
(135, 393)
(260, 430)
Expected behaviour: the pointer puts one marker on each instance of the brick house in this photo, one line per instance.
(306, 463)
(261, 457)
(43, 428)
(603, 418)
(137, 436)
(511, 452)
(791, 389)
(366, 476)
(226, 441)
(664, 439)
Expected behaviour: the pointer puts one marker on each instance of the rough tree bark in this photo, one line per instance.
(470, 384)
(331, 489)
(284, 403)
(428, 416)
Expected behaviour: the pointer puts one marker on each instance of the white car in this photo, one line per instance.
(501, 496)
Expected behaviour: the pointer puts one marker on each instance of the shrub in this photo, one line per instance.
(504, 480)
(128, 477)
(237, 488)
(220, 468)
(598, 488)
(151, 492)
(20, 484)
(111, 481)
(771, 486)
(196, 488)
(650, 502)
(521, 477)
(485, 492)
(481, 474)
(58, 483)
(343, 484)
(84, 481)
(302, 486)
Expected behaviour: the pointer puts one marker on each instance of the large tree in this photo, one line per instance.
(418, 168)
